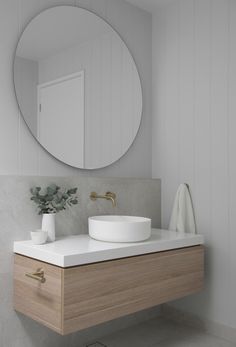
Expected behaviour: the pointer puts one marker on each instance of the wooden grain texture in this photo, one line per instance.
(76, 298)
(101, 292)
(41, 302)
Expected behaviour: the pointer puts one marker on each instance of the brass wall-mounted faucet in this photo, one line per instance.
(108, 196)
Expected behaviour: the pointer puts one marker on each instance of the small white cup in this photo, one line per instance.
(39, 237)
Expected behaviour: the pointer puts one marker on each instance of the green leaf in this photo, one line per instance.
(74, 201)
(49, 198)
(53, 200)
(52, 189)
(72, 191)
(35, 190)
(36, 200)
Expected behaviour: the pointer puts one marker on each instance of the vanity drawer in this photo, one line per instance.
(104, 291)
(76, 298)
(40, 301)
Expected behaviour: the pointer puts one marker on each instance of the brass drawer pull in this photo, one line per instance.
(38, 276)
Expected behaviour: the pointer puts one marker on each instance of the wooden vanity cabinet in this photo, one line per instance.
(79, 297)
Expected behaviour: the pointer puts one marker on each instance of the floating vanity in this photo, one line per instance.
(77, 282)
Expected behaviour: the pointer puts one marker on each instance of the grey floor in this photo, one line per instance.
(161, 333)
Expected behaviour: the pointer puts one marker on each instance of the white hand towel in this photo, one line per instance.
(182, 218)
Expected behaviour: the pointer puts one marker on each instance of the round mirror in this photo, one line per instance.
(77, 87)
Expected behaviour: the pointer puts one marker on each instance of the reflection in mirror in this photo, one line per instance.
(77, 87)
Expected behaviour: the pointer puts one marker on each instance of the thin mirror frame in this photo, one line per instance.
(136, 67)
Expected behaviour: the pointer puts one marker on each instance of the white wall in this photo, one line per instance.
(19, 152)
(194, 134)
(112, 94)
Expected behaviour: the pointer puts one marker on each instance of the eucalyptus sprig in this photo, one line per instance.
(53, 200)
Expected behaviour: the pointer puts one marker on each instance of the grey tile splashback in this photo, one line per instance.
(18, 216)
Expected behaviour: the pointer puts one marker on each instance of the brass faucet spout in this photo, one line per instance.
(112, 200)
(108, 196)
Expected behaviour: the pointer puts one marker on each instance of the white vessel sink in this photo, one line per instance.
(119, 228)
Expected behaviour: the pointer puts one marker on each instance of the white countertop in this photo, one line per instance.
(81, 249)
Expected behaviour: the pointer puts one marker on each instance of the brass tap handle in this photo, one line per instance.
(94, 196)
(38, 276)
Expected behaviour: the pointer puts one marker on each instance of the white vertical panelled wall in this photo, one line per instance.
(194, 135)
(20, 154)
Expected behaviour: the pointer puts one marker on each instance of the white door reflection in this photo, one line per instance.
(61, 110)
